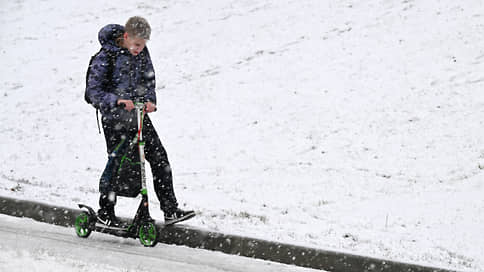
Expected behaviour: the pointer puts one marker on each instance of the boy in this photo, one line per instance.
(120, 73)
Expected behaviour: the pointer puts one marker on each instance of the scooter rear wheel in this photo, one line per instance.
(82, 225)
(148, 234)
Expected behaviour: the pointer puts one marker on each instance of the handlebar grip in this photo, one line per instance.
(123, 105)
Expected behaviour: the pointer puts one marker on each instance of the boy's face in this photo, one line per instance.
(134, 44)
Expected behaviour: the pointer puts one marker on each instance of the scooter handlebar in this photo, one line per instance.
(123, 105)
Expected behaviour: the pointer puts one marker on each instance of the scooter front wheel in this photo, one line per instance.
(82, 225)
(148, 234)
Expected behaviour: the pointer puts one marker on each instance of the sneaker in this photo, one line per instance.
(177, 216)
(107, 217)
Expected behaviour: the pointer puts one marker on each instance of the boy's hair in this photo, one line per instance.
(138, 27)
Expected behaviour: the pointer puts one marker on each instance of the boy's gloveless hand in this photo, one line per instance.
(128, 104)
(150, 107)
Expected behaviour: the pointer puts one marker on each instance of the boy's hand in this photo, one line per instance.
(128, 104)
(150, 107)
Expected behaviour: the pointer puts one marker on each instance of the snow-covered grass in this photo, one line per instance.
(345, 125)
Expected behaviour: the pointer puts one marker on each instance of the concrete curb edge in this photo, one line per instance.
(231, 244)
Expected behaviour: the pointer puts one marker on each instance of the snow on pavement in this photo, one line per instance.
(28, 245)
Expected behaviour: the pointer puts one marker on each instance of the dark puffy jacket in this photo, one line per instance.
(132, 76)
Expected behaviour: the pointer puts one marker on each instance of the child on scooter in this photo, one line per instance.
(120, 73)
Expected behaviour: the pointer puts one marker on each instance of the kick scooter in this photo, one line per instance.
(142, 226)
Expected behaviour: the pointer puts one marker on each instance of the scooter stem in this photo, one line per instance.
(139, 107)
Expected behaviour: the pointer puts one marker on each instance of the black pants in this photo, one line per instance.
(155, 154)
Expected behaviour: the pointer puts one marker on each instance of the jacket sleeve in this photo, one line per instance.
(149, 79)
(97, 87)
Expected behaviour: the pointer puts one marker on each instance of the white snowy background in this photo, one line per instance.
(346, 125)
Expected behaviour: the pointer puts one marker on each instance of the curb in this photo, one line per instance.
(231, 244)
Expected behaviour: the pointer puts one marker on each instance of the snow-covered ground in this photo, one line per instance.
(31, 246)
(344, 125)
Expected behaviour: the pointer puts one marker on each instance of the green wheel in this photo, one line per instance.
(82, 225)
(147, 234)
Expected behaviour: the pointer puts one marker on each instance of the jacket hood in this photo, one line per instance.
(107, 36)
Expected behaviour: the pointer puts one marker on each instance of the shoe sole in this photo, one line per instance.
(104, 226)
(108, 224)
(174, 221)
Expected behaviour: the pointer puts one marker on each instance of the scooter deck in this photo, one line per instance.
(128, 230)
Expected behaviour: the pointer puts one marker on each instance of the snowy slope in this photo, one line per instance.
(346, 125)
